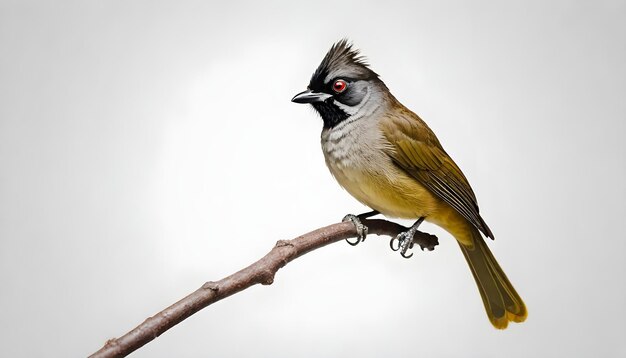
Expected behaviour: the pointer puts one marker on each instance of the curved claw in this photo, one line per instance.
(394, 239)
(403, 242)
(406, 245)
(354, 243)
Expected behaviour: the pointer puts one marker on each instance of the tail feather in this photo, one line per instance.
(502, 302)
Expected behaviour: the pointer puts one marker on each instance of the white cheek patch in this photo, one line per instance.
(368, 105)
(349, 110)
(355, 110)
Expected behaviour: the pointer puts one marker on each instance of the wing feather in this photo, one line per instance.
(415, 149)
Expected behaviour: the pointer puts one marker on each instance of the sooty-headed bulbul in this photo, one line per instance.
(386, 156)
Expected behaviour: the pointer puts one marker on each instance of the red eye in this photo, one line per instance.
(339, 86)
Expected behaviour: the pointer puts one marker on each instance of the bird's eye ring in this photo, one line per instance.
(340, 86)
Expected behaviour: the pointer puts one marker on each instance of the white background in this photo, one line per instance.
(148, 147)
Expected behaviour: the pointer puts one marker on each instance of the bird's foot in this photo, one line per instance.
(360, 229)
(403, 242)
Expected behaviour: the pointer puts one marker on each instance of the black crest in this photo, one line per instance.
(341, 55)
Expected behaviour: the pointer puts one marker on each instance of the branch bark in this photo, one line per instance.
(262, 272)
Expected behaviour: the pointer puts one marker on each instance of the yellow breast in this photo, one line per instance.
(398, 195)
(390, 191)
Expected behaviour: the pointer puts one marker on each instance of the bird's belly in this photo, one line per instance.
(401, 196)
(389, 191)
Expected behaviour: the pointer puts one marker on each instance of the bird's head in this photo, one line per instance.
(343, 86)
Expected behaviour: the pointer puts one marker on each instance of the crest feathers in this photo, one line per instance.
(342, 55)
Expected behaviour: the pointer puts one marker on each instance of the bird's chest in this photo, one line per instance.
(356, 158)
(348, 153)
(342, 151)
(353, 159)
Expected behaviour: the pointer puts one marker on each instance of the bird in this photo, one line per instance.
(388, 158)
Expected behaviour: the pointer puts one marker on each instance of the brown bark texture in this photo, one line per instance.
(262, 272)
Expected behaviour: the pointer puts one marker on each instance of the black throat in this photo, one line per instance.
(330, 112)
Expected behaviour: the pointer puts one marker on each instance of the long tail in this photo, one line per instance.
(501, 301)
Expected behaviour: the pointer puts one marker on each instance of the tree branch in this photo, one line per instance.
(262, 272)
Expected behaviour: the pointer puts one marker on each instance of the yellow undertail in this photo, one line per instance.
(501, 301)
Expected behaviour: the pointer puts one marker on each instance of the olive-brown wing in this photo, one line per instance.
(415, 149)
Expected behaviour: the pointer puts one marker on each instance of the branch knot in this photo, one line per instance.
(283, 243)
(210, 285)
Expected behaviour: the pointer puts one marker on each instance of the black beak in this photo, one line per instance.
(309, 96)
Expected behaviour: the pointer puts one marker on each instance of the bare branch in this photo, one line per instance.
(262, 272)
